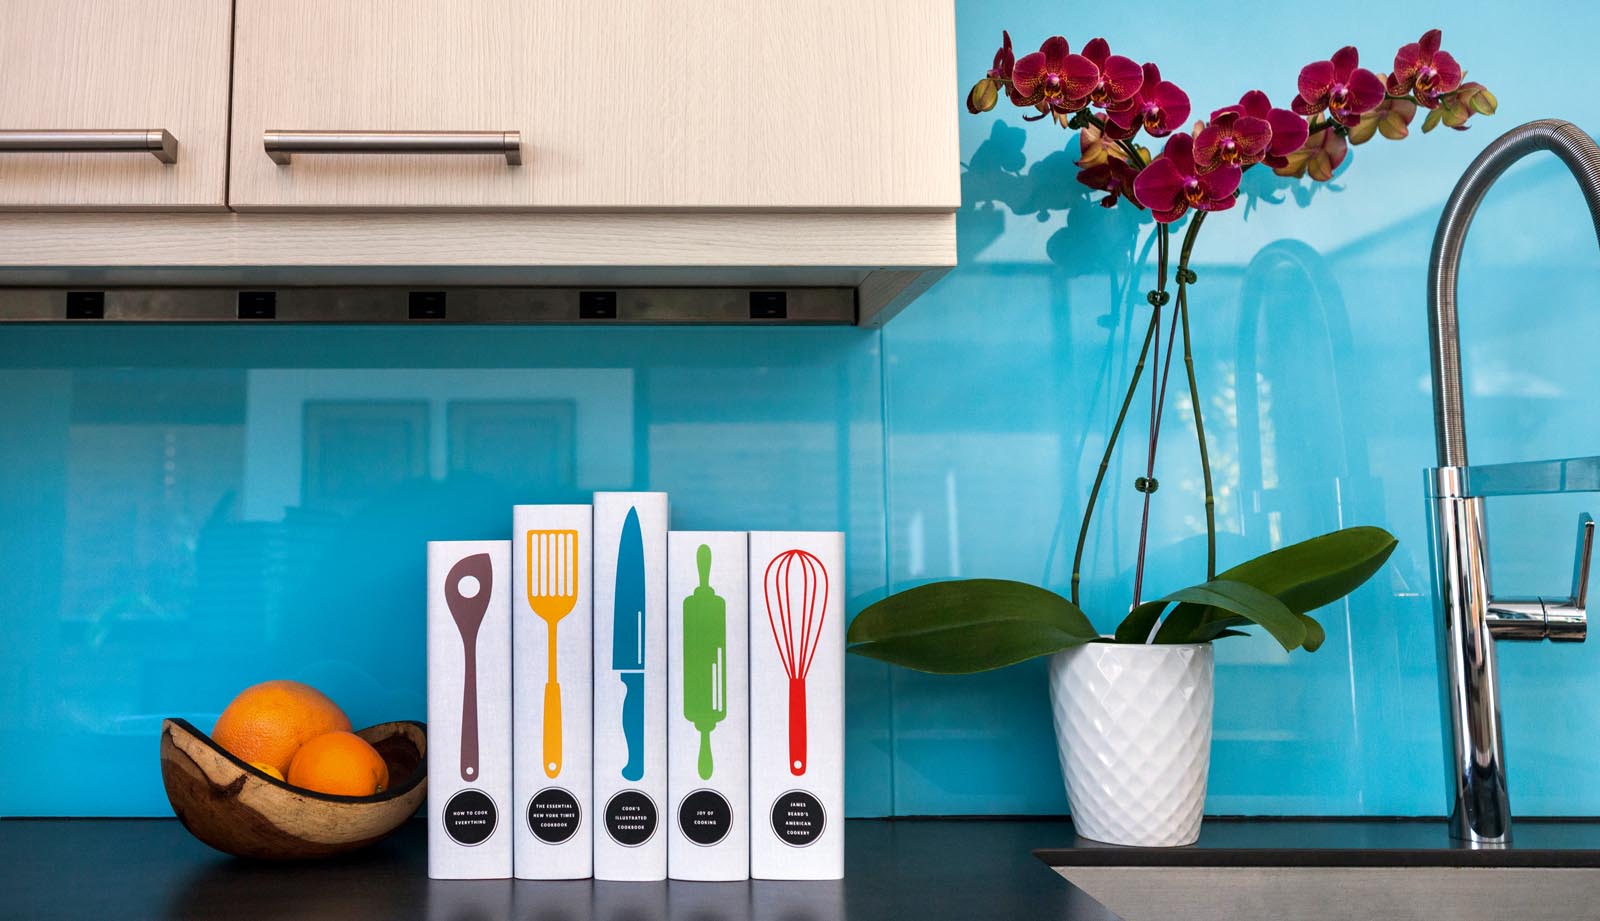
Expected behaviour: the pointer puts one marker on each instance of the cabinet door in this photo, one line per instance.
(629, 104)
(99, 74)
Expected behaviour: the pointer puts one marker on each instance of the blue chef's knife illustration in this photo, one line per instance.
(627, 641)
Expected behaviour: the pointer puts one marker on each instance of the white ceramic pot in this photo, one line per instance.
(1133, 727)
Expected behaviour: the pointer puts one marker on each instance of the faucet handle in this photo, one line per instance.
(1580, 566)
(1559, 620)
(1565, 621)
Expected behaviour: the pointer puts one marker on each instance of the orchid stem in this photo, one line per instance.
(1150, 456)
(1105, 458)
(1194, 394)
(1158, 400)
(1122, 415)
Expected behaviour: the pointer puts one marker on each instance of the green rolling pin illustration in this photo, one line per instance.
(705, 659)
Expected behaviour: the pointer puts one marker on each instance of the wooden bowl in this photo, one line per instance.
(238, 810)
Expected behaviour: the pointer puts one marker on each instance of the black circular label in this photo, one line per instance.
(705, 817)
(470, 817)
(554, 815)
(630, 818)
(797, 818)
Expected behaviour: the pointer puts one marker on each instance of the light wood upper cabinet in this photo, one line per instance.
(134, 65)
(620, 104)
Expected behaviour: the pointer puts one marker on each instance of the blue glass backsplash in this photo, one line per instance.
(186, 511)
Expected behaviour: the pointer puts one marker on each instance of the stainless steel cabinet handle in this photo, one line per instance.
(281, 145)
(154, 141)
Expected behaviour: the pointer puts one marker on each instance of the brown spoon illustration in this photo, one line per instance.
(468, 611)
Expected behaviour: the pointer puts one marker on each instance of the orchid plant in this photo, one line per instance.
(1114, 103)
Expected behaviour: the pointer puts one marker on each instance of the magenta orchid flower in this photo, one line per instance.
(1289, 131)
(1005, 63)
(1004, 59)
(1340, 87)
(1231, 139)
(1105, 79)
(1113, 177)
(1172, 184)
(1042, 79)
(1422, 68)
(1338, 103)
(1159, 107)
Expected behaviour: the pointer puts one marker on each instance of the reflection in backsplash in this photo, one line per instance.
(189, 511)
(185, 511)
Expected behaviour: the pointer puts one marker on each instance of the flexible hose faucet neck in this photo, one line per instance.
(1582, 157)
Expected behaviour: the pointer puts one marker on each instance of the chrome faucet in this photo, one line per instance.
(1470, 618)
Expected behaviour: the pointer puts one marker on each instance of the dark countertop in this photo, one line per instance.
(1266, 842)
(907, 870)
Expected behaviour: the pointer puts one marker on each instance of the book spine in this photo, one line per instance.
(630, 694)
(469, 710)
(797, 584)
(553, 608)
(708, 710)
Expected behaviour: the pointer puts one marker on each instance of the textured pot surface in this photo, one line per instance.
(1133, 728)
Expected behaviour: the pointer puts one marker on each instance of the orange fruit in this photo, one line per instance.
(341, 763)
(267, 769)
(267, 723)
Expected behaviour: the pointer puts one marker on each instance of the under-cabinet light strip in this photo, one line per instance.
(482, 305)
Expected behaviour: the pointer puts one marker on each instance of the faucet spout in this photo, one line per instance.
(1469, 619)
(1582, 157)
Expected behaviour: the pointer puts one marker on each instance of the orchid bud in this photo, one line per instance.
(985, 93)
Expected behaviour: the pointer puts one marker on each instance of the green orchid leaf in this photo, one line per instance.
(1136, 627)
(1249, 602)
(968, 625)
(1209, 630)
(1310, 574)
(961, 602)
(1184, 620)
(1215, 628)
(1314, 632)
(1319, 571)
(969, 648)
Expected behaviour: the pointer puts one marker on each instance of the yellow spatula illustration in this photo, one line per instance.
(552, 593)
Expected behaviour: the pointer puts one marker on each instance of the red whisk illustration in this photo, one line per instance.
(796, 586)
